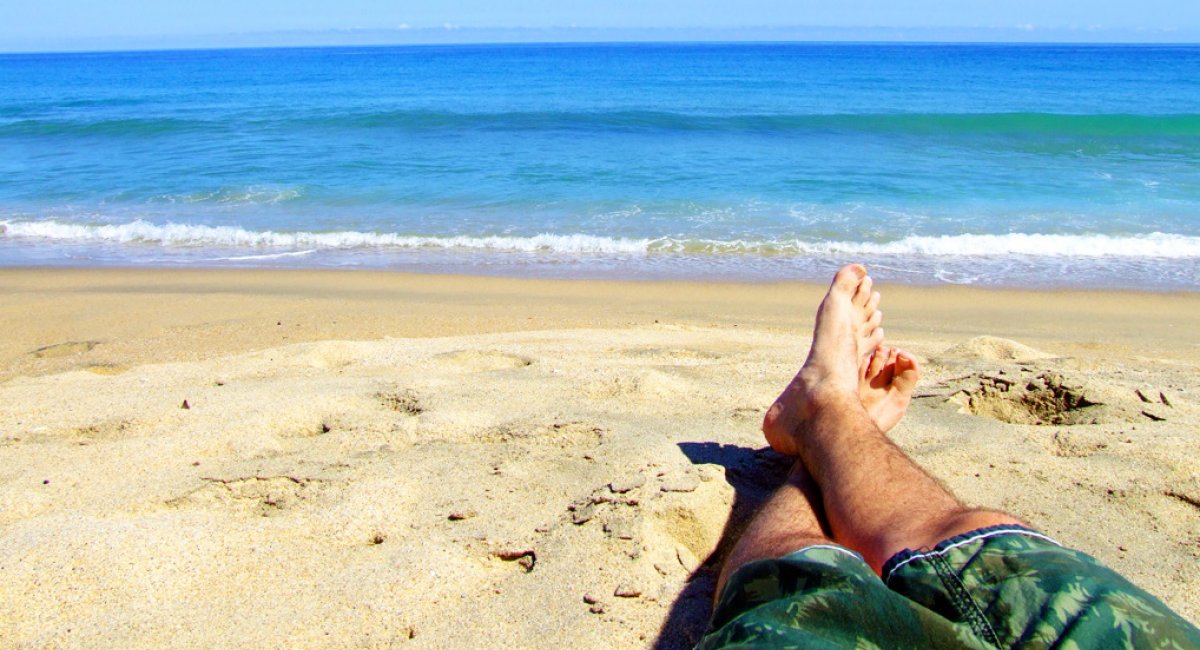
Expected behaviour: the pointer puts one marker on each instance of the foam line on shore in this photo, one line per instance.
(1150, 245)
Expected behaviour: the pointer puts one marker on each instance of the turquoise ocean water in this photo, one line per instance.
(981, 164)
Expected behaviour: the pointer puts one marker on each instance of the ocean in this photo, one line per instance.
(996, 165)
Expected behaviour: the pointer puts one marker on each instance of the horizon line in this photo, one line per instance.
(340, 46)
(404, 36)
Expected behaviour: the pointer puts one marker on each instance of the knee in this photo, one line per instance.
(970, 519)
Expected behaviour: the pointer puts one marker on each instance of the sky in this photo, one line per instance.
(33, 25)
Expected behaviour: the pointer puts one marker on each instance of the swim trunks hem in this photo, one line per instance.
(909, 555)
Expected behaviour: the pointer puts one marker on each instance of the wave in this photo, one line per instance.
(245, 195)
(277, 244)
(882, 123)
(123, 127)
(172, 234)
(945, 124)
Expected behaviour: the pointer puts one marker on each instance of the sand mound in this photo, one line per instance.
(991, 348)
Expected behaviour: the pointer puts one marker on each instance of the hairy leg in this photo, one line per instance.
(877, 501)
(788, 521)
(793, 518)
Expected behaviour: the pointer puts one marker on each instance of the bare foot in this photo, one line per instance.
(847, 328)
(887, 378)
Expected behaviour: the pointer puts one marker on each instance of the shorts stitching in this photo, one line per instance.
(963, 602)
(973, 538)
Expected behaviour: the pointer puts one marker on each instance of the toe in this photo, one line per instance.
(888, 372)
(907, 372)
(868, 328)
(874, 339)
(848, 279)
(863, 295)
(877, 363)
(873, 303)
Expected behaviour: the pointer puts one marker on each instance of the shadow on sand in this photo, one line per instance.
(754, 474)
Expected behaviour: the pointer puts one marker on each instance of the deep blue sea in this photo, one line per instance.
(1015, 165)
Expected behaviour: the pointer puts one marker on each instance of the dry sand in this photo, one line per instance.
(348, 459)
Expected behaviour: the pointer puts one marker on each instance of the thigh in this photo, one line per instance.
(1017, 588)
(824, 597)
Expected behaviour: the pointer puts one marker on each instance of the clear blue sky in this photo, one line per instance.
(75, 24)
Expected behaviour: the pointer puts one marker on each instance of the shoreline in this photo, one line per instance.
(1153, 271)
(162, 315)
(327, 459)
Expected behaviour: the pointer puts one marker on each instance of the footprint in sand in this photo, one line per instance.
(101, 431)
(328, 355)
(670, 523)
(564, 435)
(114, 429)
(482, 360)
(675, 356)
(262, 496)
(649, 385)
(692, 523)
(1070, 444)
(67, 349)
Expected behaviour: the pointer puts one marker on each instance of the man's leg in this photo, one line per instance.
(1004, 587)
(789, 520)
(877, 501)
(793, 517)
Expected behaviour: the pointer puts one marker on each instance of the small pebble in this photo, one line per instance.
(1153, 416)
(627, 591)
(590, 599)
(583, 515)
(460, 515)
(625, 485)
(527, 558)
(686, 483)
(185, 406)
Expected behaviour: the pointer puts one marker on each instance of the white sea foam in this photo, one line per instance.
(278, 244)
(184, 235)
(1160, 245)
(1152, 245)
(264, 257)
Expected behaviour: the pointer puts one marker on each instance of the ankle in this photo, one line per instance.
(826, 396)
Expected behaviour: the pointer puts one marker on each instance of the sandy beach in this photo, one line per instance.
(320, 459)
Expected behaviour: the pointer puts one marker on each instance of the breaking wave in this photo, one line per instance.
(274, 243)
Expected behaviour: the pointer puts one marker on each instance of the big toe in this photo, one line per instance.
(848, 278)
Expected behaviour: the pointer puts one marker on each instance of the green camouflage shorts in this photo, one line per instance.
(999, 587)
